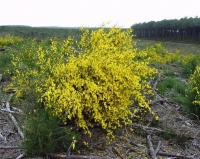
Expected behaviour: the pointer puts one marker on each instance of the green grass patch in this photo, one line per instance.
(5, 61)
(178, 91)
(7, 40)
(183, 48)
(171, 83)
(172, 136)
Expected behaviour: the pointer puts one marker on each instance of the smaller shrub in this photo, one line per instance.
(191, 65)
(160, 49)
(194, 91)
(9, 40)
(45, 135)
(157, 54)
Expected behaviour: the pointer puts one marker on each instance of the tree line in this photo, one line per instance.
(185, 29)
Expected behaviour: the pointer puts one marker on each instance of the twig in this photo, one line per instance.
(145, 128)
(21, 156)
(158, 147)
(117, 153)
(14, 121)
(137, 145)
(17, 109)
(69, 149)
(60, 156)
(9, 111)
(156, 83)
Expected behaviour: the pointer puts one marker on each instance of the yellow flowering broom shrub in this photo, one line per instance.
(95, 81)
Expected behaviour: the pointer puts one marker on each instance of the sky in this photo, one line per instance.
(93, 13)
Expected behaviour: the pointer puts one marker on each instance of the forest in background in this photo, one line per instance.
(185, 29)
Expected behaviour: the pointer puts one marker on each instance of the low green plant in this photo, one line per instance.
(44, 134)
(5, 61)
(178, 90)
(185, 101)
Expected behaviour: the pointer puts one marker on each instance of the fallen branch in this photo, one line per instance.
(158, 147)
(146, 128)
(60, 156)
(152, 154)
(156, 83)
(10, 147)
(14, 121)
(150, 149)
(164, 154)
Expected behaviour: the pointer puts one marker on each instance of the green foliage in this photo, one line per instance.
(94, 81)
(44, 134)
(159, 49)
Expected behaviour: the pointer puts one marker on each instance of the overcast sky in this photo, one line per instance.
(93, 13)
